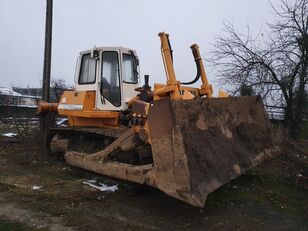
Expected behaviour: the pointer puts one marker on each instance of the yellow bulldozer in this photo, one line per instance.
(177, 138)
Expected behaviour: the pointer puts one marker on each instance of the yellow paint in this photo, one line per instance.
(173, 89)
(206, 88)
(223, 94)
(172, 86)
(86, 114)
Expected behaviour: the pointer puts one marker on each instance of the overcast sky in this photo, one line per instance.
(81, 24)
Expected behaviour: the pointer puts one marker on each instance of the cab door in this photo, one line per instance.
(109, 88)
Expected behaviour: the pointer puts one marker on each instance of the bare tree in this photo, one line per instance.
(274, 64)
(59, 86)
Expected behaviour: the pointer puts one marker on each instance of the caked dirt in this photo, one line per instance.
(40, 192)
(198, 145)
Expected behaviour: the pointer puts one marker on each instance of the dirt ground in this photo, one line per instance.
(40, 192)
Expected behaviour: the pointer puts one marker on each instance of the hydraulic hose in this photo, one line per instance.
(198, 70)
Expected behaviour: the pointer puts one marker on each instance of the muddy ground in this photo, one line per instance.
(40, 192)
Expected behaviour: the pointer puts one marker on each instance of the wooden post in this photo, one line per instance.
(46, 121)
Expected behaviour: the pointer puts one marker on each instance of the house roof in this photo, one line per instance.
(8, 91)
(11, 92)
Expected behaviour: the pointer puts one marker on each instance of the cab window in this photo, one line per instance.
(110, 78)
(87, 69)
(129, 72)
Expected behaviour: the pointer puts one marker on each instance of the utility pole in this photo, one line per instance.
(45, 121)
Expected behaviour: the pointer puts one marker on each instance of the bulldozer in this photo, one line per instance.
(174, 137)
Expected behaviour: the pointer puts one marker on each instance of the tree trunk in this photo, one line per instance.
(300, 102)
(289, 118)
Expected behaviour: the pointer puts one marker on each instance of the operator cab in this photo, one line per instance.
(112, 72)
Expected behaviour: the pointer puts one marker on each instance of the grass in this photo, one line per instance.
(269, 187)
(11, 226)
(262, 187)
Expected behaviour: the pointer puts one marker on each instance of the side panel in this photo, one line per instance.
(76, 101)
(79, 107)
(128, 92)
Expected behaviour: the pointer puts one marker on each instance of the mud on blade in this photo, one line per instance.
(200, 144)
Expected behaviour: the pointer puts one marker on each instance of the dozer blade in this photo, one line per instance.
(200, 144)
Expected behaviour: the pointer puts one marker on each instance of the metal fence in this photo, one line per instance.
(277, 113)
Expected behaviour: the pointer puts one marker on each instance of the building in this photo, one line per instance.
(9, 97)
(14, 104)
(36, 92)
